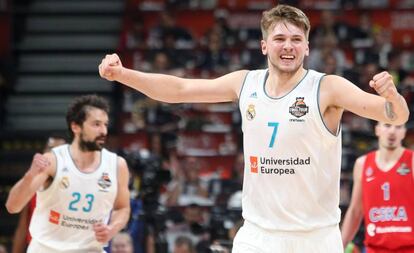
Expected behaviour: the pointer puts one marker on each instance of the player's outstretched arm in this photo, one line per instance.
(172, 89)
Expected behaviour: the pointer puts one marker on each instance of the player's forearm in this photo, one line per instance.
(396, 111)
(160, 87)
(119, 219)
(20, 195)
(350, 226)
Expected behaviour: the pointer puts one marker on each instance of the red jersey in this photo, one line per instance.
(388, 201)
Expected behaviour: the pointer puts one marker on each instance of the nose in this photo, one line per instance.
(104, 130)
(287, 45)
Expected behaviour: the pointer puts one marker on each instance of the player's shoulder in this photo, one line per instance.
(361, 159)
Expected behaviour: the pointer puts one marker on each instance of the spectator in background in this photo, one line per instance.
(122, 243)
(166, 30)
(186, 186)
(22, 235)
(214, 58)
(362, 33)
(330, 25)
(183, 244)
(395, 68)
(135, 37)
(190, 223)
(365, 74)
(327, 48)
(378, 51)
(163, 63)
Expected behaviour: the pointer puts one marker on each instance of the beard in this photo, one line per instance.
(85, 145)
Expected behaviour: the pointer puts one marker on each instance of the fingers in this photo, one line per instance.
(40, 161)
(109, 66)
(383, 84)
(102, 232)
(381, 75)
(39, 164)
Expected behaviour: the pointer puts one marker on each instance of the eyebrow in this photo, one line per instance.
(284, 35)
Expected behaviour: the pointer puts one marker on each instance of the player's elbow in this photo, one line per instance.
(401, 119)
(405, 117)
(12, 208)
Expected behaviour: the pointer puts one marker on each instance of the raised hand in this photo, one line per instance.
(384, 85)
(39, 165)
(110, 67)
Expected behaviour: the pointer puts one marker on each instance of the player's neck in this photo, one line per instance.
(386, 158)
(85, 161)
(280, 83)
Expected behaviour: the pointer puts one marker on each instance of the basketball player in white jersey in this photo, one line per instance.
(291, 126)
(81, 188)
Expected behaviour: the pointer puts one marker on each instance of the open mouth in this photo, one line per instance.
(287, 57)
(101, 139)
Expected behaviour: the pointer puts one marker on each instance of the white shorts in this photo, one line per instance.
(36, 247)
(252, 239)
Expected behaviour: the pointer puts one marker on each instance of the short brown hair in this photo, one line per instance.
(284, 13)
(78, 109)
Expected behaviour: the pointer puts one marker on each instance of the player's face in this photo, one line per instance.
(390, 136)
(286, 47)
(94, 130)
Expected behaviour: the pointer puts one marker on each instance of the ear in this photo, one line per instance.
(307, 49)
(264, 47)
(75, 128)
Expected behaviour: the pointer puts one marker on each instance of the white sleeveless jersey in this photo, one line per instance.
(66, 210)
(292, 161)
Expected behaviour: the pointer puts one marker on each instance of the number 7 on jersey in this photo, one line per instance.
(275, 125)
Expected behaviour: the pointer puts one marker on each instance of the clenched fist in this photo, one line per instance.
(39, 165)
(384, 85)
(102, 232)
(110, 67)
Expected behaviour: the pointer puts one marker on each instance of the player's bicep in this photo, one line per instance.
(122, 197)
(346, 95)
(222, 89)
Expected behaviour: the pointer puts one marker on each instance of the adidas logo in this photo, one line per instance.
(253, 95)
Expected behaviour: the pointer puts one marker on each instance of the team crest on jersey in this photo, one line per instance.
(403, 169)
(64, 183)
(104, 182)
(299, 108)
(251, 112)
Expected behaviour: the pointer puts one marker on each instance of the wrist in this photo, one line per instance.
(29, 175)
(394, 99)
